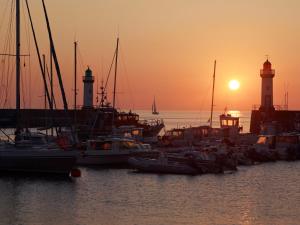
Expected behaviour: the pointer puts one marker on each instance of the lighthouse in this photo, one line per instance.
(267, 74)
(88, 81)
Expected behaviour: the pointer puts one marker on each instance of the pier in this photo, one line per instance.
(284, 120)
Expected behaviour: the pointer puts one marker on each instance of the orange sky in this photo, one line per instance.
(167, 49)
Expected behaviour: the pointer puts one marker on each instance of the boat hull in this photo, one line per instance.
(155, 166)
(94, 160)
(41, 162)
(102, 158)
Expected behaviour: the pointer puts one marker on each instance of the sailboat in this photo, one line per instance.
(154, 109)
(29, 152)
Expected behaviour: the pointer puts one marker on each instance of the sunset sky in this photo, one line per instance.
(167, 49)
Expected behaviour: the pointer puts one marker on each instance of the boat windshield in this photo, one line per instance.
(177, 133)
(128, 144)
(262, 140)
(101, 145)
(229, 122)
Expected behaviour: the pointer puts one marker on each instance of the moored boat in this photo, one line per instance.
(162, 165)
(112, 150)
(37, 160)
(31, 153)
(28, 153)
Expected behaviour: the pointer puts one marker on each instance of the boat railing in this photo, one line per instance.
(152, 122)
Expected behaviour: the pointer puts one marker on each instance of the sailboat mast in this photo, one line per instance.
(51, 88)
(213, 92)
(38, 55)
(45, 94)
(115, 85)
(18, 46)
(75, 81)
(75, 75)
(116, 67)
(55, 59)
(51, 81)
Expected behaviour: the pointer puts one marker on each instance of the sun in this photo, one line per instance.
(234, 85)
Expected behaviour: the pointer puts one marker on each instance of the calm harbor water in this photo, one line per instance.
(262, 194)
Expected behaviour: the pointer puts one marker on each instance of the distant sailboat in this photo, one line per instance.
(154, 109)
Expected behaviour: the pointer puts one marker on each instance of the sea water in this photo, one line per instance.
(261, 194)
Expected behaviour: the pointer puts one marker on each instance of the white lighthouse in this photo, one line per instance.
(88, 81)
(267, 74)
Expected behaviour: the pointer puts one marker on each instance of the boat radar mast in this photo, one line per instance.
(213, 92)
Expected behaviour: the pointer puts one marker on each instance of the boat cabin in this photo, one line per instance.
(183, 136)
(131, 132)
(124, 118)
(230, 123)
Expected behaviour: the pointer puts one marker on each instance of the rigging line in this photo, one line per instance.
(110, 68)
(6, 54)
(29, 61)
(53, 97)
(3, 15)
(39, 57)
(29, 82)
(24, 69)
(10, 22)
(81, 62)
(7, 40)
(8, 86)
(10, 37)
(9, 138)
(8, 48)
(27, 73)
(12, 76)
(26, 22)
(2, 79)
(3, 60)
(22, 86)
(126, 76)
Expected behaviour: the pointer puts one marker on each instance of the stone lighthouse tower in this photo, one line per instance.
(88, 81)
(267, 74)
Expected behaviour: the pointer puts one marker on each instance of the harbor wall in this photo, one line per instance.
(285, 120)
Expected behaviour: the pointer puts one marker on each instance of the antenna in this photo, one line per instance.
(115, 82)
(213, 92)
(18, 46)
(286, 97)
(75, 75)
(75, 83)
(267, 56)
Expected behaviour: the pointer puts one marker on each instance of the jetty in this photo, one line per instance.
(278, 117)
